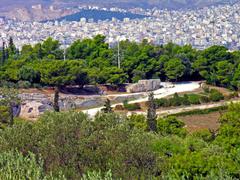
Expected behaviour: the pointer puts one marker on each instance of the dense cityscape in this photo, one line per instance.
(201, 28)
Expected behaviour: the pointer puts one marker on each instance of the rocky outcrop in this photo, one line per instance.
(144, 86)
(33, 105)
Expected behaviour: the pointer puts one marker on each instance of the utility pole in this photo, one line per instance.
(119, 63)
(3, 58)
(64, 54)
(64, 49)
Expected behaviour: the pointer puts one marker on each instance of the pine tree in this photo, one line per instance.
(3, 53)
(40, 52)
(107, 107)
(56, 99)
(11, 46)
(151, 114)
(6, 54)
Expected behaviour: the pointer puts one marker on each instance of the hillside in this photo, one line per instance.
(172, 4)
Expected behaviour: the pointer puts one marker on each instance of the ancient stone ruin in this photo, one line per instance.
(144, 86)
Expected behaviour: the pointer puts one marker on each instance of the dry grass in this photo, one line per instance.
(203, 121)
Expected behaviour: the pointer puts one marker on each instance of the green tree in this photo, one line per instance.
(9, 99)
(3, 58)
(224, 73)
(151, 114)
(11, 46)
(50, 47)
(174, 69)
(107, 107)
(29, 74)
(57, 74)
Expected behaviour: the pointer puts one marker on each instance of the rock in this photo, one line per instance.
(90, 102)
(16, 110)
(32, 97)
(33, 109)
(144, 86)
(127, 97)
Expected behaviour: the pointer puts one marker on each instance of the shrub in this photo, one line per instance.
(204, 99)
(171, 125)
(204, 134)
(175, 100)
(137, 121)
(97, 176)
(215, 95)
(163, 102)
(8, 84)
(36, 85)
(13, 165)
(4, 116)
(119, 107)
(233, 95)
(194, 99)
(185, 100)
(132, 107)
(24, 84)
(206, 89)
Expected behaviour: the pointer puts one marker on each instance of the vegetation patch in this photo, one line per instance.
(210, 95)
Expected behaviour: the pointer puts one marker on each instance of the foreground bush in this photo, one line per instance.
(111, 146)
(15, 166)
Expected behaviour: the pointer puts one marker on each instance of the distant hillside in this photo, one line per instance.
(171, 4)
(22, 9)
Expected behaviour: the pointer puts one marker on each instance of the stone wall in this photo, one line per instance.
(144, 86)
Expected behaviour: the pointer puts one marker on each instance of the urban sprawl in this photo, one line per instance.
(201, 28)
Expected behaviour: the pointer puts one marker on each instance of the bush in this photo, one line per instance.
(119, 107)
(171, 125)
(204, 134)
(137, 121)
(14, 165)
(24, 84)
(8, 84)
(233, 95)
(185, 100)
(206, 89)
(36, 85)
(97, 176)
(215, 95)
(132, 107)
(4, 116)
(204, 99)
(163, 102)
(194, 99)
(175, 100)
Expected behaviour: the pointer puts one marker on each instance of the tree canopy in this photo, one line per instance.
(94, 61)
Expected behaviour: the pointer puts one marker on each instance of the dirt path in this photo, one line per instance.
(160, 93)
(189, 108)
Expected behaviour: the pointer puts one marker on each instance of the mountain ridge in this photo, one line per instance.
(162, 4)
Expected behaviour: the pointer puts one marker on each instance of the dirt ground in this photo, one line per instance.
(203, 121)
